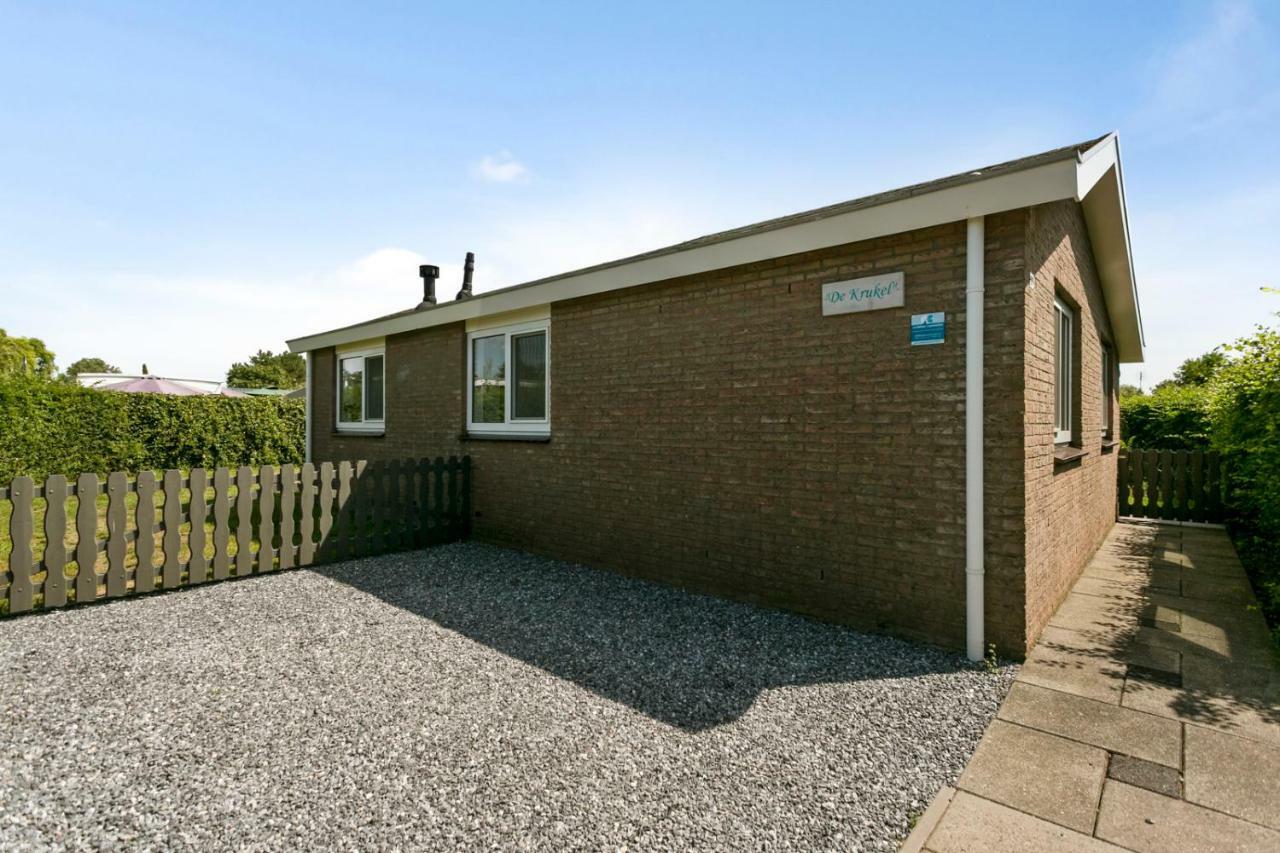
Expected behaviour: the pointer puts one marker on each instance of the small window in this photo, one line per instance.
(361, 390)
(1108, 391)
(509, 381)
(1063, 372)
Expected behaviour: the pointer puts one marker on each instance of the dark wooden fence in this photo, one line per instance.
(71, 542)
(1175, 485)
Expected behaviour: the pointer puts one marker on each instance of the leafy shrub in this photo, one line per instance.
(56, 428)
(1175, 417)
(1244, 408)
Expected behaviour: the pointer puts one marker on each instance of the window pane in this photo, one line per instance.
(1062, 370)
(351, 385)
(373, 388)
(529, 373)
(488, 380)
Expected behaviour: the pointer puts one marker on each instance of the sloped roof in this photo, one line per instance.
(1072, 171)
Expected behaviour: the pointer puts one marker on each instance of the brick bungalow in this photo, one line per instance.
(897, 413)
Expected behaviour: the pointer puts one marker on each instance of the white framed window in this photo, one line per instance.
(1108, 391)
(1063, 372)
(509, 379)
(361, 392)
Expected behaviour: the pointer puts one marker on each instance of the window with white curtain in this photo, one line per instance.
(509, 380)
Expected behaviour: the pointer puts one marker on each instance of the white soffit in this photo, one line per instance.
(1100, 192)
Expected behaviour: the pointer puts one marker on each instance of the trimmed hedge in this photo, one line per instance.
(55, 428)
(1175, 417)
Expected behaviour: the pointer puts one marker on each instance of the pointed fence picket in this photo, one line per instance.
(134, 535)
(1171, 485)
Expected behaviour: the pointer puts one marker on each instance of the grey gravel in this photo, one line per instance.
(470, 697)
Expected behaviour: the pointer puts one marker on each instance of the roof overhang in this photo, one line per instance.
(1070, 172)
(1100, 192)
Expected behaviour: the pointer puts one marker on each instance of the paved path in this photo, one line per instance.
(1147, 718)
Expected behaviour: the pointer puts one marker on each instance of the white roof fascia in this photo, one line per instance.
(1008, 191)
(1100, 191)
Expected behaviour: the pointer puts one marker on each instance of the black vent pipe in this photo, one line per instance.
(429, 275)
(467, 269)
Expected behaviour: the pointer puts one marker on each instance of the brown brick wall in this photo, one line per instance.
(718, 433)
(1069, 508)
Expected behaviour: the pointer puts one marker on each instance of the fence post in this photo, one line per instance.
(221, 524)
(453, 497)
(144, 546)
(307, 547)
(438, 511)
(117, 488)
(21, 531)
(244, 521)
(266, 517)
(197, 565)
(466, 496)
(288, 485)
(171, 575)
(86, 538)
(327, 548)
(55, 539)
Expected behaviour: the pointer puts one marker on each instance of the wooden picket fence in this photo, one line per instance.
(1174, 485)
(132, 535)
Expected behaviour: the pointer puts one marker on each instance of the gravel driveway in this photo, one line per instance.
(474, 697)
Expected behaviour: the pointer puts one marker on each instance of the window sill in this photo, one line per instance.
(1066, 454)
(1109, 445)
(533, 437)
(360, 433)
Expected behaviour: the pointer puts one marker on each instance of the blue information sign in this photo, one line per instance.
(928, 328)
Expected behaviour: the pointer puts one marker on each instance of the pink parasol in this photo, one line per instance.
(152, 385)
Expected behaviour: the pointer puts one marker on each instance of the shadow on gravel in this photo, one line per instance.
(686, 660)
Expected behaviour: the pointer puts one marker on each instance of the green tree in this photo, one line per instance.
(25, 357)
(1201, 369)
(87, 365)
(269, 370)
(1127, 390)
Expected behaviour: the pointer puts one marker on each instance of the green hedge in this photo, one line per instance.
(1173, 418)
(1245, 413)
(54, 428)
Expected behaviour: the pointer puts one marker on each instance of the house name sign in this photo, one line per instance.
(863, 294)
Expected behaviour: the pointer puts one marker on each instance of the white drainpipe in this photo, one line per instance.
(973, 443)
(306, 449)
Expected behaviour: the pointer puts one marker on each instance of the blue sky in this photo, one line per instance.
(184, 184)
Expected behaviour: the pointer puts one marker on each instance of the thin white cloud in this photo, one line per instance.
(501, 168)
(1222, 74)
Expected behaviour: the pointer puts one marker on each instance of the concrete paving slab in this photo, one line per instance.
(1108, 587)
(1145, 774)
(1079, 674)
(1259, 684)
(1109, 727)
(1151, 823)
(975, 825)
(1168, 611)
(1047, 776)
(1233, 775)
(1233, 715)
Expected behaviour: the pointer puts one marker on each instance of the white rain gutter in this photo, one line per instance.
(974, 568)
(306, 450)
